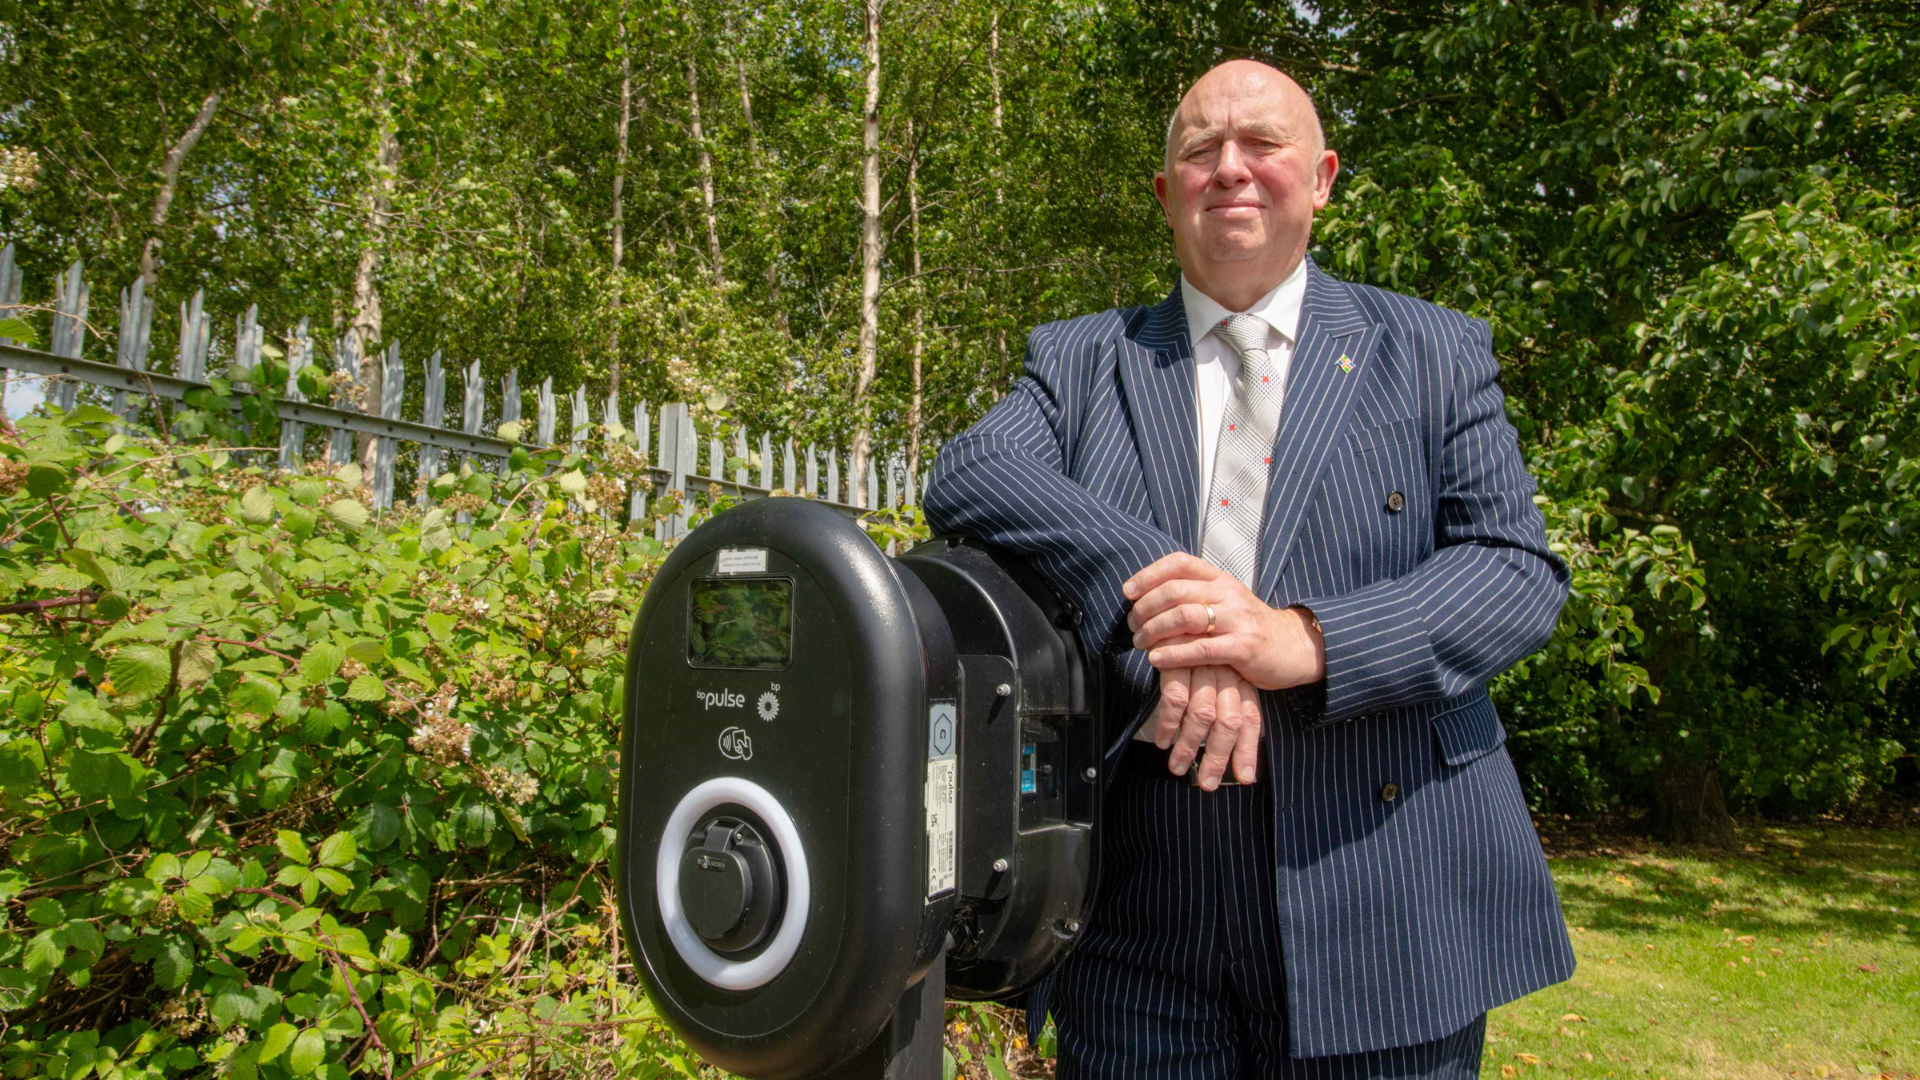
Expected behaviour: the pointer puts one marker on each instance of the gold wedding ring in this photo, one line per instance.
(1209, 608)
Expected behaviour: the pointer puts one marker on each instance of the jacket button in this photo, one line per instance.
(1390, 793)
(1396, 502)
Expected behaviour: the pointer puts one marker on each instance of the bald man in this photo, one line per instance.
(1299, 528)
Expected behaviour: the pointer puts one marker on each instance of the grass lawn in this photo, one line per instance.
(1796, 955)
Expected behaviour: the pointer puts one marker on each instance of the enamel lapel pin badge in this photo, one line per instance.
(1346, 363)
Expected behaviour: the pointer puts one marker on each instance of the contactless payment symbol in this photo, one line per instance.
(736, 745)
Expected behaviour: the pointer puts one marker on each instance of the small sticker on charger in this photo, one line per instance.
(942, 795)
(741, 561)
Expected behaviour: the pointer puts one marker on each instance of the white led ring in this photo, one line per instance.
(709, 965)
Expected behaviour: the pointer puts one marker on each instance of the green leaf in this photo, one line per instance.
(309, 1052)
(299, 521)
(254, 694)
(509, 431)
(380, 825)
(440, 624)
(291, 846)
(349, 514)
(19, 331)
(198, 661)
(338, 850)
(336, 882)
(279, 1037)
(366, 688)
(573, 482)
(46, 911)
(173, 962)
(256, 506)
(139, 671)
(22, 766)
(43, 953)
(395, 946)
(349, 475)
(130, 896)
(321, 661)
(46, 480)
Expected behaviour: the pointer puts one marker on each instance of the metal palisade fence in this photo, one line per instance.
(680, 458)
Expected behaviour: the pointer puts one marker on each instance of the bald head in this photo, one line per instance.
(1251, 78)
(1246, 167)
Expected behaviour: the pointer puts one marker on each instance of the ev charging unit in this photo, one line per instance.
(851, 787)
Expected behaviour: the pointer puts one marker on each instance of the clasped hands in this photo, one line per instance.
(1209, 676)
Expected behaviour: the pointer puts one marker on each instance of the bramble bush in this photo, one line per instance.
(292, 789)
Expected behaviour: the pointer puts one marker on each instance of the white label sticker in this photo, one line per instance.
(741, 561)
(942, 784)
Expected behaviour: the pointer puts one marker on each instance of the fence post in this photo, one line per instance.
(642, 430)
(813, 473)
(833, 474)
(293, 433)
(393, 388)
(346, 360)
(136, 333)
(510, 398)
(873, 486)
(670, 461)
(432, 410)
(544, 431)
(11, 282)
(196, 333)
(786, 469)
(766, 461)
(577, 419)
(913, 498)
(689, 463)
(69, 331)
(740, 451)
(893, 481)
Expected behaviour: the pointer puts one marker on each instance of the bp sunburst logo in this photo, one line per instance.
(769, 706)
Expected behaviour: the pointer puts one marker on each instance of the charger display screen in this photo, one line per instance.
(746, 623)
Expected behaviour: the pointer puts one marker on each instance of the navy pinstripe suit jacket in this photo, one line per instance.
(1402, 919)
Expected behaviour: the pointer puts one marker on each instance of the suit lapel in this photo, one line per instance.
(1156, 368)
(1313, 418)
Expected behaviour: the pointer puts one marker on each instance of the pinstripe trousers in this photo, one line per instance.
(1178, 975)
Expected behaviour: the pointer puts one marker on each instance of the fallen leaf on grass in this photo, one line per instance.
(1509, 1072)
(1528, 1059)
(1871, 969)
(1623, 880)
(1573, 1018)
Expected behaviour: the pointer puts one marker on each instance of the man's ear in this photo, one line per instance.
(1324, 172)
(1160, 193)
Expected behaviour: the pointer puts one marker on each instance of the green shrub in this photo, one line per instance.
(291, 788)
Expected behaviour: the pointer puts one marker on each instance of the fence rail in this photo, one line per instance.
(668, 437)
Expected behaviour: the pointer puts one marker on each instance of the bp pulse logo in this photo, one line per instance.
(724, 699)
(736, 745)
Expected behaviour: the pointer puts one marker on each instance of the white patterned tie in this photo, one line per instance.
(1238, 492)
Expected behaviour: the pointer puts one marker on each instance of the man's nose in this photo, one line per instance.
(1232, 169)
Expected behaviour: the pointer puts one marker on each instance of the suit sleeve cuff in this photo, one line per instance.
(1378, 654)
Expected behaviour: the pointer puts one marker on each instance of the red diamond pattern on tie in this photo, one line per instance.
(1238, 487)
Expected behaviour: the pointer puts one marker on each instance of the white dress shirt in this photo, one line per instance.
(1214, 364)
(1215, 367)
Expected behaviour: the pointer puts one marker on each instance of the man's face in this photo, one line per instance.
(1247, 170)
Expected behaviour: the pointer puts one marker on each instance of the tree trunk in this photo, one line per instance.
(871, 246)
(619, 217)
(1689, 806)
(773, 223)
(919, 303)
(169, 177)
(366, 286)
(706, 176)
(999, 187)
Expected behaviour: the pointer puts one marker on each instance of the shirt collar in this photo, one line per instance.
(1280, 309)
